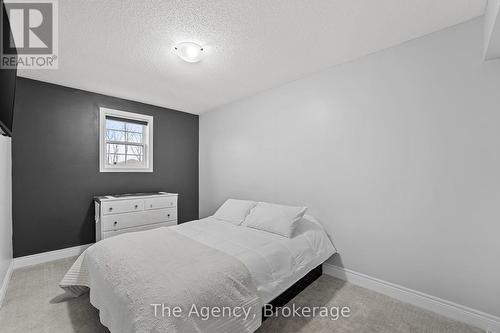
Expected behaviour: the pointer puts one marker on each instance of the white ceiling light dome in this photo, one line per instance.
(189, 51)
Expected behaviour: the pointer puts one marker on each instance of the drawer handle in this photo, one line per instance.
(168, 215)
(110, 208)
(115, 223)
(136, 206)
(151, 206)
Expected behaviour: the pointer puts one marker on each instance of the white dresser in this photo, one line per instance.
(117, 214)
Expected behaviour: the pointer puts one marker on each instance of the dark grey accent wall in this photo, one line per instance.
(55, 149)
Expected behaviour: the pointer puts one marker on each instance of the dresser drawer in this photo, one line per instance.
(161, 202)
(122, 206)
(162, 215)
(127, 220)
(107, 234)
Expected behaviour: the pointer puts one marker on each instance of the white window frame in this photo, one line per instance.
(148, 144)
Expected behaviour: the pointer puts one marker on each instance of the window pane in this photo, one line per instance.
(134, 161)
(134, 137)
(124, 131)
(135, 150)
(124, 155)
(116, 159)
(112, 148)
(115, 124)
(114, 135)
(134, 128)
(125, 160)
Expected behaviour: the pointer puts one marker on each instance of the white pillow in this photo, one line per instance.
(274, 218)
(234, 211)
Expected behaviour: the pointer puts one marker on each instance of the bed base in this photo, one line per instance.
(294, 290)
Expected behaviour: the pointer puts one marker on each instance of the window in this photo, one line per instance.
(126, 141)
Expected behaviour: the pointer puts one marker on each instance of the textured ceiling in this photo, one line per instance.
(124, 48)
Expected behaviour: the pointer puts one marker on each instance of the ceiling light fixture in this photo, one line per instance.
(189, 51)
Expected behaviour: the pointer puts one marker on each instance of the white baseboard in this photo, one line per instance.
(5, 282)
(458, 312)
(41, 258)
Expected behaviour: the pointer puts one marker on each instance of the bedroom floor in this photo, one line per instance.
(34, 303)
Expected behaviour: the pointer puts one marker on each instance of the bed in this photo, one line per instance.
(208, 261)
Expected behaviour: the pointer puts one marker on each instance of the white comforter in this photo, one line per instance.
(138, 280)
(275, 262)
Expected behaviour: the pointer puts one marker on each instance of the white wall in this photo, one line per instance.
(5, 209)
(492, 30)
(397, 153)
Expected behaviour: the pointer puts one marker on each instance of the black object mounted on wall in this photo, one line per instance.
(7, 81)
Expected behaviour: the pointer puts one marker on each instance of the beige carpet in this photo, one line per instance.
(34, 303)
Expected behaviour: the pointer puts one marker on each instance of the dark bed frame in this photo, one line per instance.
(295, 289)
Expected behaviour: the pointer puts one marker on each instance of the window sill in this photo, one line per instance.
(124, 170)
